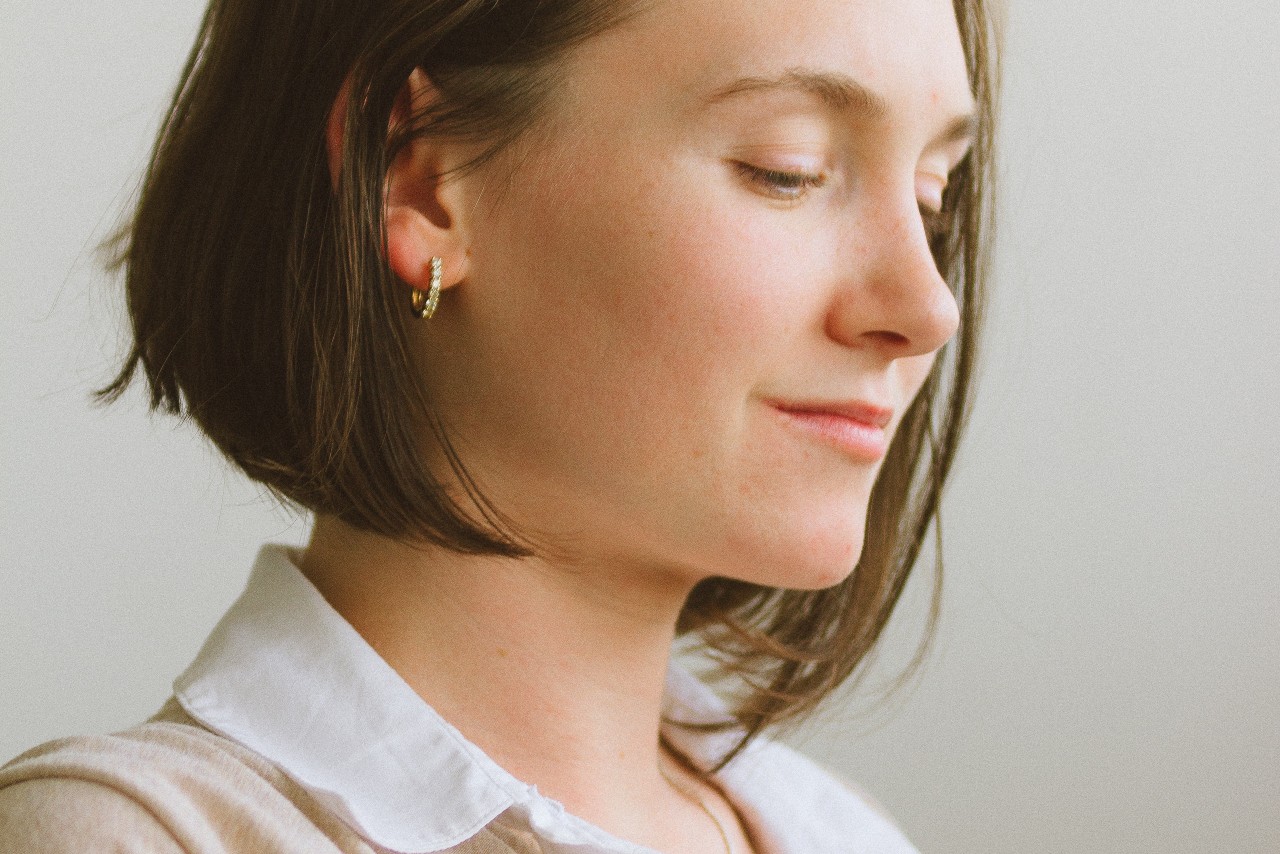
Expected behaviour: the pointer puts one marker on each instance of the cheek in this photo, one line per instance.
(670, 302)
(624, 323)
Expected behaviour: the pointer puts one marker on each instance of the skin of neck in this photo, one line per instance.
(556, 671)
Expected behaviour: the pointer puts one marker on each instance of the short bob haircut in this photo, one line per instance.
(263, 308)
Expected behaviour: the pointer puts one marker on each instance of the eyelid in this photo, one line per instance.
(786, 184)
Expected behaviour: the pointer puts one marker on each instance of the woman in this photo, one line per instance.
(582, 326)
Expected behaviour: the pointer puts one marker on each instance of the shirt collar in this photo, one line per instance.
(285, 675)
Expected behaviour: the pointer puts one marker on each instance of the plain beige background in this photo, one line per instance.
(1107, 673)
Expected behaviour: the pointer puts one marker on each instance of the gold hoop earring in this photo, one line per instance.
(424, 305)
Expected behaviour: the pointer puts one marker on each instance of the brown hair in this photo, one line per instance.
(263, 308)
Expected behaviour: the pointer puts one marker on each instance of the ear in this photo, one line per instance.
(424, 215)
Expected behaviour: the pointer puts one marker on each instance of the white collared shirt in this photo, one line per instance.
(286, 676)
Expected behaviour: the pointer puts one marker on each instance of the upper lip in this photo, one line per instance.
(857, 410)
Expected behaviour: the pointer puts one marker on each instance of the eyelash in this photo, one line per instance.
(791, 186)
(785, 186)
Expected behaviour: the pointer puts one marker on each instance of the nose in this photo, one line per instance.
(892, 297)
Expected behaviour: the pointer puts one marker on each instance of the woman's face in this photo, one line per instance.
(721, 221)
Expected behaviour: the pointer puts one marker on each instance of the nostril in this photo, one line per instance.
(895, 338)
(889, 340)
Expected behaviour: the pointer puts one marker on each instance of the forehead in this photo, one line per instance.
(905, 54)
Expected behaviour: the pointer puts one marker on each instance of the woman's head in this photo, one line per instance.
(633, 294)
(661, 224)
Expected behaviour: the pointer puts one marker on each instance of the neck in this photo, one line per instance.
(557, 672)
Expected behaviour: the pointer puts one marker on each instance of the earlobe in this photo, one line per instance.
(411, 244)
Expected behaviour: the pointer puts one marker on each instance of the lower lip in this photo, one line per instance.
(865, 442)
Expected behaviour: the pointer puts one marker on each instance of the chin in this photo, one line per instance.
(816, 577)
(814, 564)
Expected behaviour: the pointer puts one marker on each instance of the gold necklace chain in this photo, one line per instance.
(697, 799)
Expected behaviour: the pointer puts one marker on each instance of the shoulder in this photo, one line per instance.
(64, 815)
(165, 785)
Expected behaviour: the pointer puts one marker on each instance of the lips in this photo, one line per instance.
(855, 410)
(857, 428)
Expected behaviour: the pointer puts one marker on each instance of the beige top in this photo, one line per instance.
(170, 786)
(289, 733)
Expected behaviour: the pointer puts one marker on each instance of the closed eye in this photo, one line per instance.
(785, 186)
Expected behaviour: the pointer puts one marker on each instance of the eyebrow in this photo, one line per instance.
(842, 94)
